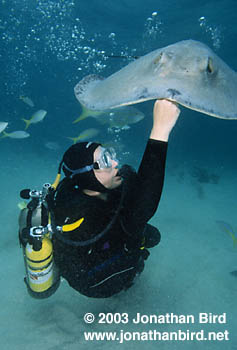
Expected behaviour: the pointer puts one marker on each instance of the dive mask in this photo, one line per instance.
(107, 155)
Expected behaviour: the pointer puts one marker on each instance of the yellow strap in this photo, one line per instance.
(49, 218)
(73, 226)
(56, 182)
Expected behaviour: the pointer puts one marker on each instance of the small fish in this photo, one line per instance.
(87, 134)
(36, 118)
(115, 118)
(123, 119)
(27, 100)
(228, 229)
(53, 146)
(22, 205)
(19, 134)
(3, 126)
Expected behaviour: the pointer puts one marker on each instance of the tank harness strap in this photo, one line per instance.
(28, 218)
(44, 216)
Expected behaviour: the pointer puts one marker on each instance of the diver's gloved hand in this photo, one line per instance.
(126, 171)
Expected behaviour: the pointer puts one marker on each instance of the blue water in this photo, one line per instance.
(46, 48)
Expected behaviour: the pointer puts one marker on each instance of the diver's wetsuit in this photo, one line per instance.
(107, 256)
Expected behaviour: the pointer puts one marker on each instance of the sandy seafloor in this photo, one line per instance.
(188, 273)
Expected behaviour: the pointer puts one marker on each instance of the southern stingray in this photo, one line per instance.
(187, 72)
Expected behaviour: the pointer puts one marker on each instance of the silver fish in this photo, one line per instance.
(85, 135)
(27, 100)
(36, 118)
(3, 126)
(19, 134)
(116, 118)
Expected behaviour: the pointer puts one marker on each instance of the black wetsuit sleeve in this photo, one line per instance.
(151, 177)
(145, 195)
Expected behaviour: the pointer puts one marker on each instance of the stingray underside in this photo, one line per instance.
(187, 72)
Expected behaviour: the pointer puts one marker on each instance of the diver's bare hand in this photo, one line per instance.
(165, 115)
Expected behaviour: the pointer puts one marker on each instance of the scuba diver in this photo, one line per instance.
(99, 214)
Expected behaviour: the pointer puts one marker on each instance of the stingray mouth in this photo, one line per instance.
(143, 94)
(173, 93)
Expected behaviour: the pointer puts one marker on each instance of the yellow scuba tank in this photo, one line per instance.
(42, 276)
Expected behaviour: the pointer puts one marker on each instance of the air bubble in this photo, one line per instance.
(153, 28)
(213, 31)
